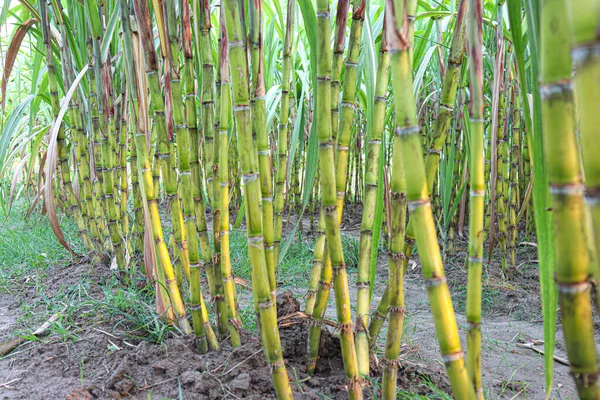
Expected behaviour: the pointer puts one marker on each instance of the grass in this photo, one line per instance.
(30, 256)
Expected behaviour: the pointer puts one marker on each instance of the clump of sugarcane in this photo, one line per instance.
(567, 194)
(103, 128)
(514, 197)
(78, 134)
(202, 328)
(131, 101)
(477, 196)
(252, 198)
(501, 161)
(418, 199)
(147, 39)
(61, 146)
(585, 25)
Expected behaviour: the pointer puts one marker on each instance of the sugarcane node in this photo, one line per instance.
(452, 357)
(310, 293)
(326, 285)
(572, 288)
(216, 258)
(406, 131)
(582, 54)
(558, 90)
(414, 204)
(397, 256)
(585, 379)
(363, 285)
(315, 322)
(355, 383)
(435, 281)
(345, 328)
(400, 310)
(473, 325)
(195, 265)
(389, 364)
(566, 189)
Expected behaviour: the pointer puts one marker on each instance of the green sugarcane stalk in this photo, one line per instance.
(252, 199)
(346, 123)
(259, 128)
(221, 303)
(339, 44)
(368, 215)
(432, 160)
(566, 191)
(284, 124)
(585, 24)
(315, 274)
(320, 280)
(63, 157)
(477, 196)
(207, 97)
(449, 89)
(418, 199)
(226, 271)
(396, 258)
(329, 200)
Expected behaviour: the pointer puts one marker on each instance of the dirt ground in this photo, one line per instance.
(106, 362)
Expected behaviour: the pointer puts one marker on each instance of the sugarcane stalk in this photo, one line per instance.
(477, 196)
(284, 124)
(585, 24)
(449, 89)
(252, 199)
(368, 215)
(226, 271)
(259, 128)
(418, 199)
(566, 191)
(329, 200)
(320, 280)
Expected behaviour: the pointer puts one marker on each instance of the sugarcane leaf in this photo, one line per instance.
(10, 129)
(108, 34)
(11, 55)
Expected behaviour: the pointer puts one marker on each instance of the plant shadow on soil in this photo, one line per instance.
(109, 344)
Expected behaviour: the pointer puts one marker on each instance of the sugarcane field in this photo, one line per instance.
(299, 199)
